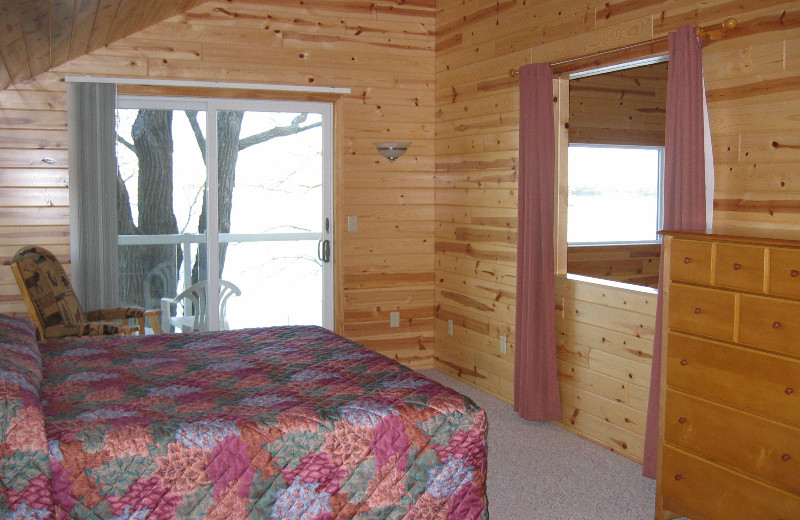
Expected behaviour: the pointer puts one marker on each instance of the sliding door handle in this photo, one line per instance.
(324, 250)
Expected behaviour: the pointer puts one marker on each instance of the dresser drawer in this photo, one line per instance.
(756, 381)
(690, 261)
(727, 435)
(703, 311)
(784, 272)
(770, 323)
(739, 267)
(716, 492)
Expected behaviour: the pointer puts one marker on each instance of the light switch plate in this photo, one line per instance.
(394, 319)
(352, 223)
(450, 327)
(503, 346)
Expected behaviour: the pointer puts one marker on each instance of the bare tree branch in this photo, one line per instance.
(192, 205)
(126, 144)
(191, 115)
(278, 131)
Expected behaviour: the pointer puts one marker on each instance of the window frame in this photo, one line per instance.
(213, 105)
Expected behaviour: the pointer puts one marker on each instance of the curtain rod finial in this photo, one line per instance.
(717, 33)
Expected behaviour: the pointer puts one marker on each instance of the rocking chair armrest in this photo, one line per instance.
(129, 330)
(89, 328)
(126, 313)
(117, 313)
(155, 319)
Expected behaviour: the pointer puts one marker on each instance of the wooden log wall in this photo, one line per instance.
(753, 84)
(383, 51)
(634, 264)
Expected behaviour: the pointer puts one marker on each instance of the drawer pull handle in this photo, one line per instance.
(682, 420)
(794, 273)
(678, 476)
(776, 324)
(684, 362)
(687, 260)
(698, 310)
(785, 457)
(789, 391)
(737, 266)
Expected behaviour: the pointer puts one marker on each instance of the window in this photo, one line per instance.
(614, 194)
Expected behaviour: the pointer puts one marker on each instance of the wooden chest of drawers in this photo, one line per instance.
(729, 445)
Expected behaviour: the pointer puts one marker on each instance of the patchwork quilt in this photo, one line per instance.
(274, 423)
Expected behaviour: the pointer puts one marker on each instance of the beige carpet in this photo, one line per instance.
(538, 471)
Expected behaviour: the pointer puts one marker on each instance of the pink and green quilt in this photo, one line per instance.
(274, 423)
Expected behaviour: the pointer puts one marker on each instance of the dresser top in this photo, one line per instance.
(787, 238)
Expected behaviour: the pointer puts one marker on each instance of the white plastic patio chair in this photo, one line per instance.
(195, 307)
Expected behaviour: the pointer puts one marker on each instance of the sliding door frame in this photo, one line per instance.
(213, 106)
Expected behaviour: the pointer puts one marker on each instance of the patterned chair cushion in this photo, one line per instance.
(49, 287)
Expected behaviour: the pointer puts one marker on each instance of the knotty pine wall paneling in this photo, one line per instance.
(636, 264)
(383, 51)
(605, 337)
(752, 80)
(624, 107)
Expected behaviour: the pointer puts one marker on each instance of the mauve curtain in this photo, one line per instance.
(93, 193)
(536, 395)
(684, 187)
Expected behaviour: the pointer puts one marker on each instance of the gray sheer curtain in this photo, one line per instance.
(536, 395)
(93, 193)
(684, 187)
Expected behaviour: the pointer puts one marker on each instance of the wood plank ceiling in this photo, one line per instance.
(37, 35)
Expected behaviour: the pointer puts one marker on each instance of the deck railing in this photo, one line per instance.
(187, 239)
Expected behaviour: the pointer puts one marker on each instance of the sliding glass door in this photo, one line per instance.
(213, 189)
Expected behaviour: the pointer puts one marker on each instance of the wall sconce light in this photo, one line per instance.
(392, 149)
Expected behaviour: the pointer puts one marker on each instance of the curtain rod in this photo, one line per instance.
(207, 84)
(713, 33)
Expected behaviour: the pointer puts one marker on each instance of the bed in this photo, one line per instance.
(281, 422)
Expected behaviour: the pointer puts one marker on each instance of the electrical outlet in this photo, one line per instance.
(352, 223)
(394, 319)
(450, 327)
(502, 345)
